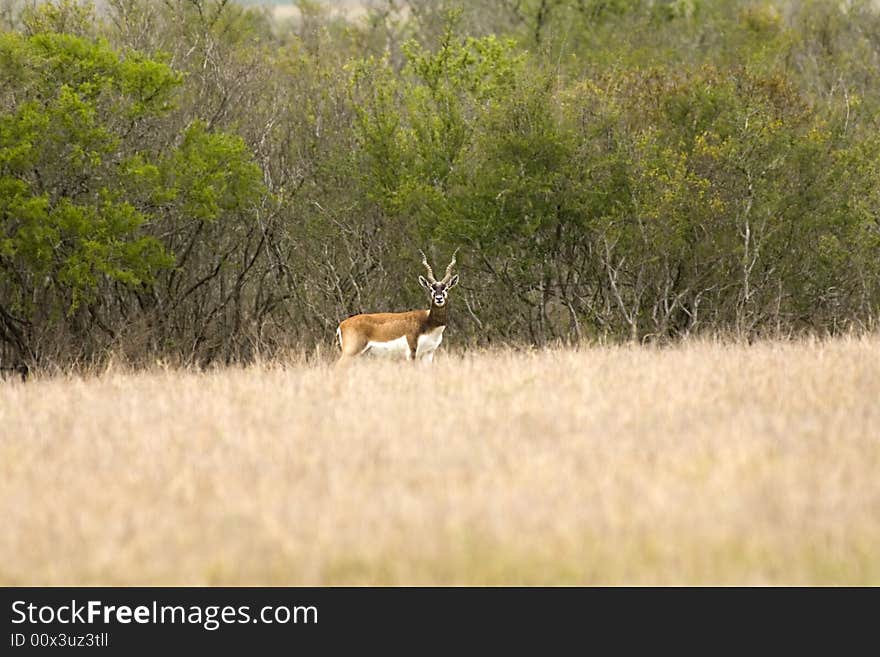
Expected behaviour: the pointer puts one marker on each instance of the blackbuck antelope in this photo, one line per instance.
(414, 335)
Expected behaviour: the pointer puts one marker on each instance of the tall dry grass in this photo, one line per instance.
(700, 464)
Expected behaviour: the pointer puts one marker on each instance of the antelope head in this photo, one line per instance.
(439, 290)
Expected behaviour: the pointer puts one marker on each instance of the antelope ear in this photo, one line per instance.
(424, 283)
(453, 282)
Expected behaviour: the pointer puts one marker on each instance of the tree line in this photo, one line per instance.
(197, 181)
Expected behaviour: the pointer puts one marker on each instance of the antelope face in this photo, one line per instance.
(438, 290)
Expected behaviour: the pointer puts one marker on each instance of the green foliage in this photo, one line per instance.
(210, 174)
(621, 169)
(78, 192)
(62, 221)
(672, 186)
(415, 132)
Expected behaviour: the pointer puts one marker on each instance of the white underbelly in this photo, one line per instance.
(399, 348)
(428, 342)
(392, 349)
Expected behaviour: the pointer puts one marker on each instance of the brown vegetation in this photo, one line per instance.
(703, 463)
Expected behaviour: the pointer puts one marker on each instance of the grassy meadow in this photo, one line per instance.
(703, 463)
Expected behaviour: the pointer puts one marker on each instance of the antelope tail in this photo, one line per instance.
(339, 337)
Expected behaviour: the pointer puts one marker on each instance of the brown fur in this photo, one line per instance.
(357, 331)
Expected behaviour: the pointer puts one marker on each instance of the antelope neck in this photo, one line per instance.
(437, 315)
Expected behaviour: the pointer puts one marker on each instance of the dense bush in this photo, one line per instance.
(194, 180)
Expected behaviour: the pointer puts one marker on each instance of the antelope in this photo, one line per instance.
(415, 334)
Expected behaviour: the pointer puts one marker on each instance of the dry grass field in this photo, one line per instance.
(703, 463)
